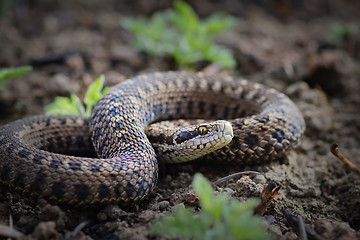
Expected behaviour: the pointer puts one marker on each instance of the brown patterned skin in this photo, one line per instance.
(266, 124)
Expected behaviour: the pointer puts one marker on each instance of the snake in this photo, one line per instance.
(109, 158)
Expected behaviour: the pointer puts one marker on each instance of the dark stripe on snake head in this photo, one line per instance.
(184, 136)
(169, 140)
(161, 138)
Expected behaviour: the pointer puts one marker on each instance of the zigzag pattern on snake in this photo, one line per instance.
(266, 124)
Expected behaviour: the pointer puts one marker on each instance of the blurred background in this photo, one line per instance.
(308, 49)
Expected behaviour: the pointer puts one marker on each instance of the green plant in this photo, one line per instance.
(180, 33)
(73, 106)
(220, 217)
(9, 73)
(340, 33)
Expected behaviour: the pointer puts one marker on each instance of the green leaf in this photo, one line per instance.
(73, 106)
(341, 32)
(94, 93)
(8, 73)
(181, 34)
(173, 225)
(204, 190)
(220, 217)
(218, 23)
(152, 36)
(185, 18)
(66, 106)
(220, 55)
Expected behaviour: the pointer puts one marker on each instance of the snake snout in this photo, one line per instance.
(227, 131)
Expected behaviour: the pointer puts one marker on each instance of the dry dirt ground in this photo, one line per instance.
(284, 44)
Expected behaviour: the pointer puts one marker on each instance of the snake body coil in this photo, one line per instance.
(265, 124)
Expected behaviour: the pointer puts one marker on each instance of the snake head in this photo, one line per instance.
(185, 143)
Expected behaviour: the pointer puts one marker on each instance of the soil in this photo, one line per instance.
(287, 45)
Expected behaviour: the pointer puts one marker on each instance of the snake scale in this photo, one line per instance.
(36, 153)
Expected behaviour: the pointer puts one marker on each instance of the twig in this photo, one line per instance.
(295, 222)
(267, 195)
(234, 175)
(10, 232)
(301, 229)
(334, 148)
(11, 222)
(79, 227)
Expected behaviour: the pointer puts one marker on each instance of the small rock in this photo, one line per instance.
(247, 187)
(192, 198)
(114, 211)
(53, 213)
(335, 230)
(45, 230)
(176, 198)
(160, 206)
(147, 215)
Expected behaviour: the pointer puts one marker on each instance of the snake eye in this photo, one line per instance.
(202, 130)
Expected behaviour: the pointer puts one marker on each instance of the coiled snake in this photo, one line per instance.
(265, 124)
